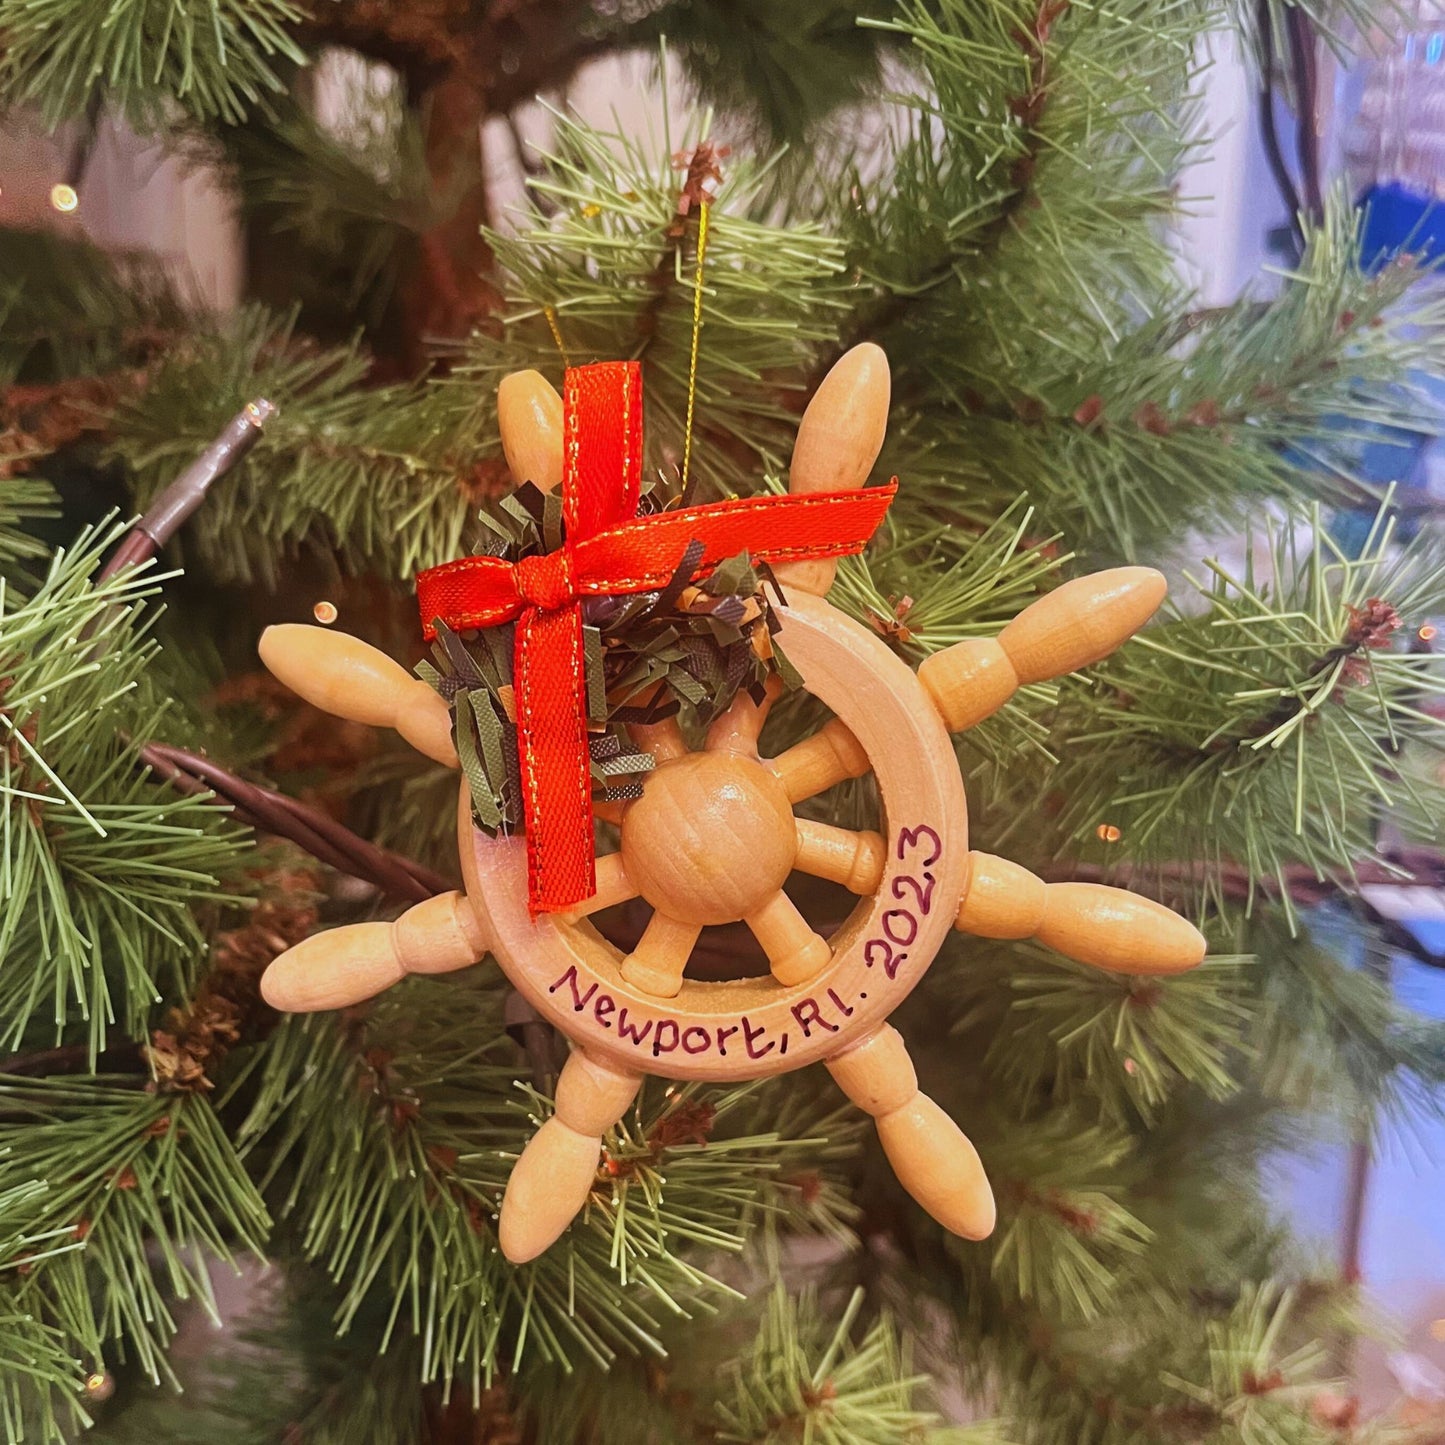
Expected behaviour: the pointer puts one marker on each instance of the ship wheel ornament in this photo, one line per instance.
(713, 836)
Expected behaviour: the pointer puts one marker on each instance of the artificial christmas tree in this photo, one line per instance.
(175, 821)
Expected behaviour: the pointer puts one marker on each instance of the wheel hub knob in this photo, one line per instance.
(711, 838)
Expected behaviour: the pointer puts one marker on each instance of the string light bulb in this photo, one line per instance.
(1107, 833)
(1427, 632)
(325, 613)
(99, 1385)
(63, 197)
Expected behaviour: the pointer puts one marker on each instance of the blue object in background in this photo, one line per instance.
(1428, 934)
(1399, 218)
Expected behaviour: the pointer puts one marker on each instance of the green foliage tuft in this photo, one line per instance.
(395, 1142)
(137, 1193)
(100, 865)
(809, 1377)
(214, 59)
(1264, 729)
(23, 499)
(610, 247)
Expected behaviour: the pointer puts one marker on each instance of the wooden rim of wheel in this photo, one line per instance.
(759, 1026)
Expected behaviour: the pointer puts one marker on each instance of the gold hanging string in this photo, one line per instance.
(550, 312)
(702, 216)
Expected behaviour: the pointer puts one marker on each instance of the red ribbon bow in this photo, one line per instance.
(608, 550)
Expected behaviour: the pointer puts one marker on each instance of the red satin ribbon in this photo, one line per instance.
(608, 550)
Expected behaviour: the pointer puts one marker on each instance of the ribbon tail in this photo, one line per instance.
(555, 765)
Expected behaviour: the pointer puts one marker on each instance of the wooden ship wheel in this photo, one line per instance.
(713, 839)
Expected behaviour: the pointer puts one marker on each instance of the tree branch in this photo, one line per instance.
(1028, 107)
(320, 835)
